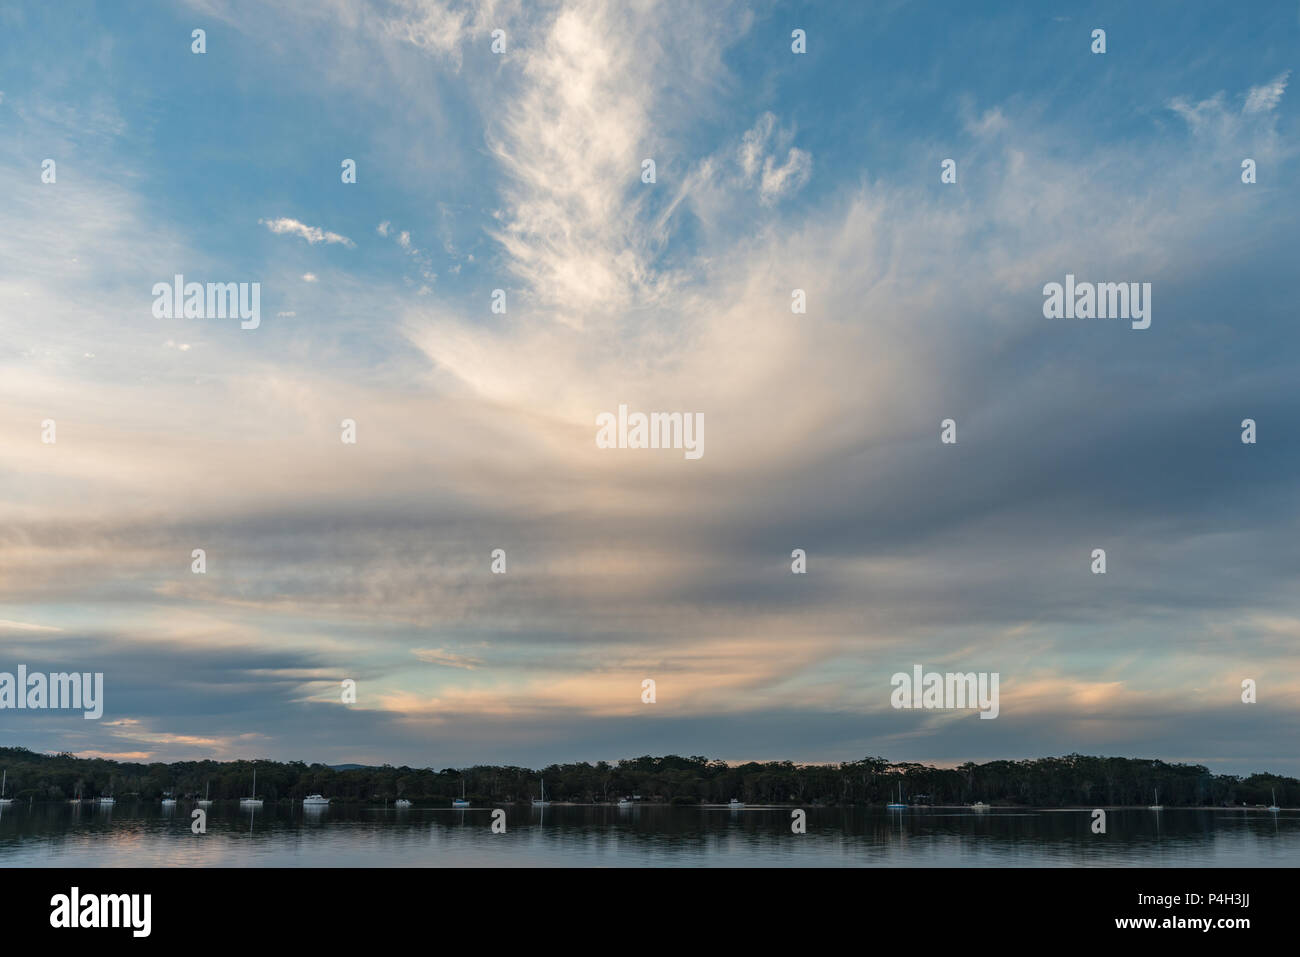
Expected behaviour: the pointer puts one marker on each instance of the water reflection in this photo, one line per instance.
(144, 834)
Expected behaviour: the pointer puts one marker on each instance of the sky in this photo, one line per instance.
(522, 171)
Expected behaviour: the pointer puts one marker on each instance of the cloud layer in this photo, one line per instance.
(521, 172)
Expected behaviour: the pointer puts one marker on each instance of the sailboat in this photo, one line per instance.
(460, 801)
(1157, 806)
(543, 802)
(253, 800)
(206, 789)
(1273, 806)
(4, 779)
(900, 806)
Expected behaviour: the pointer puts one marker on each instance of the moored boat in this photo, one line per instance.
(252, 800)
(898, 805)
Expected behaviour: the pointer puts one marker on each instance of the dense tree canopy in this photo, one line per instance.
(1074, 780)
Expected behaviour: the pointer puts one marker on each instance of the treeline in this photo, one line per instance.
(1075, 780)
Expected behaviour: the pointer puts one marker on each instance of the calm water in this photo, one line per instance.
(146, 835)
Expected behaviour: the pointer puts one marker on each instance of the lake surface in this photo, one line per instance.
(143, 835)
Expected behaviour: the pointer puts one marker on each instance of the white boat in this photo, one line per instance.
(624, 802)
(1273, 806)
(543, 802)
(979, 806)
(253, 800)
(169, 802)
(1157, 806)
(401, 802)
(205, 802)
(899, 805)
(107, 801)
(460, 801)
(4, 779)
(735, 805)
(315, 800)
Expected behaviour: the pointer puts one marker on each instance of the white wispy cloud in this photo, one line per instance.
(1262, 99)
(449, 659)
(758, 155)
(596, 88)
(443, 27)
(422, 259)
(1223, 127)
(6, 625)
(313, 234)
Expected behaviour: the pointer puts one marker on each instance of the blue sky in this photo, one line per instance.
(775, 171)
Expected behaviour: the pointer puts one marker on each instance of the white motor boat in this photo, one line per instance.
(316, 800)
